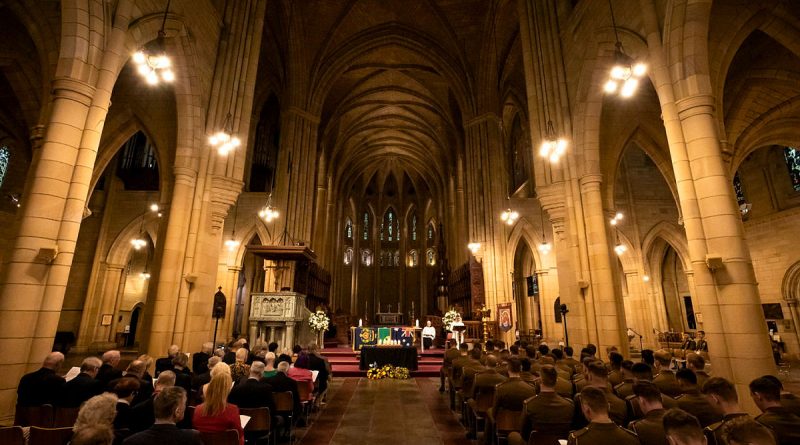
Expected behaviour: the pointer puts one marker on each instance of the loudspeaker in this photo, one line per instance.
(218, 311)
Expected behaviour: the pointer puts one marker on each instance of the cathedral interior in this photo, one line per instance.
(398, 142)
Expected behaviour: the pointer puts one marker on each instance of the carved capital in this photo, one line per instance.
(224, 193)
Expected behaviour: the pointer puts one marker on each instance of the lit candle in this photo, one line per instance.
(360, 322)
(417, 322)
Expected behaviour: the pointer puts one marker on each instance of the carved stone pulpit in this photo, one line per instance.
(274, 317)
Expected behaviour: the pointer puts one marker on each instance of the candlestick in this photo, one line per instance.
(360, 322)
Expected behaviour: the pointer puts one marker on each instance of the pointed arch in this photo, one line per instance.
(120, 249)
(669, 233)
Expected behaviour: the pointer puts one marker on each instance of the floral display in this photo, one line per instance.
(318, 321)
(449, 318)
(387, 372)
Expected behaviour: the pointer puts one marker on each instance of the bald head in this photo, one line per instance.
(165, 379)
(173, 350)
(136, 368)
(111, 357)
(53, 361)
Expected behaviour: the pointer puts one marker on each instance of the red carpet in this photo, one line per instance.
(344, 362)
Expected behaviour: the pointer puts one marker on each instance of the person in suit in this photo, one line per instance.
(688, 345)
(721, 394)
(601, 429)
(125, 389)
(650, 429)
(692, 401)
(200, 359)
(469, 371)
(788, 400)
(108, 371)
(682, 428)
(254, 392)
(142, 414)
(548, 407)
(508, 396)
(484, 381)
(136, 370)
(202, 379)
(165, 363)
(183, 376)
(702, 344)
(744, 431)
(318, 363)
(281, 382)
(767, 397)
(665, 379)
(84, 386)
(169, 406)
(43, 385)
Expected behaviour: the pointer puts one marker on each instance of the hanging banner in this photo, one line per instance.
(504, 321)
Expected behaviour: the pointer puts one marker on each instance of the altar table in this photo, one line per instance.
(388, 355)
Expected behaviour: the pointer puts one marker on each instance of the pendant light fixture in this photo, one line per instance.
(139, 241)
(545, 247)
(269, 212)
(233, 243)
(152, 63)
(224, 140)
(625, 74)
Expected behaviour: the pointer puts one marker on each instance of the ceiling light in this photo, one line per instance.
(152, 63)
(552, 147)
(620, 248)
(624, 75)
(544, 248)
(269, 212)
(138, 242)
(231, 244)
(224, 140)
(474, 247)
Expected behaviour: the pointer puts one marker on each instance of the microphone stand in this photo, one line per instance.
(641, 343)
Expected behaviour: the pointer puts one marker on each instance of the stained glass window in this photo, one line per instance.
(430, 257)
(366, 226)
(390, 229)
(792, 156)
(737, 188)
(348, 229)
(430, 231)
(414, 227)
(366, 257)
(348, 256)
(412, 258)
(5, 155)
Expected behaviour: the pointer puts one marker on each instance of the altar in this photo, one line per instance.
(405, 336)
(394, 355)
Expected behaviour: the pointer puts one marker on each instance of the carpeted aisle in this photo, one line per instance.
(386, 412)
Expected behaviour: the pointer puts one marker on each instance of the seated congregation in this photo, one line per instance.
(538, 396)
(104, 404)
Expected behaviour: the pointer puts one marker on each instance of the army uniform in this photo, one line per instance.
(617, 409)
(650, 429)
(791, 402)
(696, 404)
(784, 424)
(564, 388)
(635, 411)
(484, 380)
(548, 408)
(508, 396)
(702, 377)
(624, 389)
(602, 434)
(715, 432)
(615, 377)
(468, 378)
(667, 383)
(571, 363)
(449, 355)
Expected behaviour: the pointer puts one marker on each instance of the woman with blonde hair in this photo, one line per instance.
(95, 422)
(240, 370)
(215, 414)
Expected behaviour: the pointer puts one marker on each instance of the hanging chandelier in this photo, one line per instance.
(233, 243)
(620, 248)
(509, 216)
(625, 73)
(224, 140)
(552, 147)
(269, 212)
(474, 247)
(616, 219)
(152, 63)
(138, 242)
(544, 247)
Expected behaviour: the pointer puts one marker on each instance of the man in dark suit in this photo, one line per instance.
(625, 388)
(202, 379)
(108, 371)
(169, 407)
(450, 354)
(692, 401)
(253, 392)
(142, 414)
(165, 363)
(697, 363)
(650, 429)
(43, 385)
(281, 382)
(125, 389)
(84, 386)
(767, 396)
(200, 359)
(183, 376)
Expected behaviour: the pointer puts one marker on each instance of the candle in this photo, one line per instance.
(360, 322)
(417, 322)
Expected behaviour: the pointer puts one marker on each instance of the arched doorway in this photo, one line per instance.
(675, 293)
(525, 290)
(134, 326)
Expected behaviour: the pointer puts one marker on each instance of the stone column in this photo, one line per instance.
(115, 286)
(289, 335)
(254, 337)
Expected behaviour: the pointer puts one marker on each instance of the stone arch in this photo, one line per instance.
(253, 228)
(524, 232)
(669, 233)
(790, 286)
(120, 249)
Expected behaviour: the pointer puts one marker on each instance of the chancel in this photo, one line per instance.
(434, 205)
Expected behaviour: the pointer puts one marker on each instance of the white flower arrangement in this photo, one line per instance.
(318, 321)
(449, 318)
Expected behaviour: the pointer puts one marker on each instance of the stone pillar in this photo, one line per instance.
(254, 337)
(608, 307)
(115, 286)
(289, 335)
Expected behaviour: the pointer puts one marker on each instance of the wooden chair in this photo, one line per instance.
(484, 399)
(41, 416)
(12, 435)
(549, 433)
(306, 400)
(284, 406)
(505, 422)
(64, 417)
(260, 425)
(227, 437)
(50, 436)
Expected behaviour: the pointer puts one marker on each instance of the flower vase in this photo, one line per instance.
(321, 339)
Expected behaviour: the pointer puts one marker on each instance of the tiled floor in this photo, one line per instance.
(385, 412)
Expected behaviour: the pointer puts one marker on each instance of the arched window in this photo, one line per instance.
(390, 227)
(5, 156)
(414, 227)
(366, 257)
(138, 166)
(348, 229)
(792, 156)
(737, 188)
(412, 258)
(348, 256)
(430, 257)
(366, 226)
(430, 231)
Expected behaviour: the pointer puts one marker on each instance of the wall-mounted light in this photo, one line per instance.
(474, 247)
